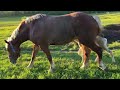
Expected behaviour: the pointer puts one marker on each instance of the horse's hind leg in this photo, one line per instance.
(113, 59)
(46, 50)
(85, 55)
(98, 50)
(102, 42)
(34, 52)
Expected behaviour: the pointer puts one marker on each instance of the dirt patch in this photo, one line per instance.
(112, 33)
(113, 27)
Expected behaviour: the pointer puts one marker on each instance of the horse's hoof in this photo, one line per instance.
(95, 61)
(113, 61)
(83, 67)
(29, 66)
(51, 70)
(105, 69)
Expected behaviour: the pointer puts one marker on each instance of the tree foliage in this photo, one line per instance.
(21, 13)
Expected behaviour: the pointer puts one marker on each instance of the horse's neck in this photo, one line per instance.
(20, 38)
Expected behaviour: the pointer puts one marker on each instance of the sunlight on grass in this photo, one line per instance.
(110, 18)
(67, 63)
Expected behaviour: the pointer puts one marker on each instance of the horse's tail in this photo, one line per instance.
(100, 32)
(98, 21)
(100, 28)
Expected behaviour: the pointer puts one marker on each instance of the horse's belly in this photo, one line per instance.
(59, 43)
(60, 40)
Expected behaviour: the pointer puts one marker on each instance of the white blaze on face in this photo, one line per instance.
(6, 46)
(102, 66)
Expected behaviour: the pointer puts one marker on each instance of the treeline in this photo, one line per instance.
(21, 13)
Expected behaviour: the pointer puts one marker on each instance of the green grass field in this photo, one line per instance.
(67, 63)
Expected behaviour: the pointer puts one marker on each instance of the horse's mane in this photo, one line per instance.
(15, 32)
(27, 21)
(34, 17)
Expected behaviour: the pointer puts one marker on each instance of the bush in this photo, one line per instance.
(21, 13)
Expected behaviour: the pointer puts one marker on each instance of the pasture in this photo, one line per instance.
(66, 59)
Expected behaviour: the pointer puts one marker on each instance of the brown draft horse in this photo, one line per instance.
(44, 30)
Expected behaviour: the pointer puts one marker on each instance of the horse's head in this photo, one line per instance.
(13, 52)
(12, 43)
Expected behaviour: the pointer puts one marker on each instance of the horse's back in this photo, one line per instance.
(62, 29)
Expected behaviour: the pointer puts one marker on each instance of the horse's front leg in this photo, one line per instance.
(45, 49)
(34, 52)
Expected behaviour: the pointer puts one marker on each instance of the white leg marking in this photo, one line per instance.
(96, 59)
(109, 51)
(30, 65)
(84, 65)
(102, 66)
(52, 67)
(113, 59)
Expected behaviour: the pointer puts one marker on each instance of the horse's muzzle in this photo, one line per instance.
(12, 61)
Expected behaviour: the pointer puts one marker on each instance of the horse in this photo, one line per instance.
(45, 30)
(100, 41)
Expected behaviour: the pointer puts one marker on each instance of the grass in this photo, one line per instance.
(67, 63)
(110, 18)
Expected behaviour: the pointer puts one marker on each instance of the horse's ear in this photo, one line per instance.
(6, 41)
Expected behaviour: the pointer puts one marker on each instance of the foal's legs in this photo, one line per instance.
(98, 50)
(85, 56)
(80, 51)
(46, 50)
(102, 42)
(84, 52)
(34, 52)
